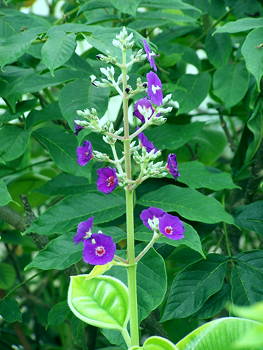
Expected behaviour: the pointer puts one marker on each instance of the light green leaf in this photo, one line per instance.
(151, 281)
(253, 54)
(171, 136)
(14, 141)
(217, 335)
(230, 83)
(253, 312)
(9, 310)
(241, 25)
(193, 90)
(196, 175)
(62, 149)
(79, 95)
(101, 301)
(5, 197)
(189, 203)
(218, 49)
(68, 213)
(128, 7)
(190, 240)
(158, 343)
(250, 217)
(58, 49)
(194, 285)
(169, 4)
(8, 276)
(58, 314)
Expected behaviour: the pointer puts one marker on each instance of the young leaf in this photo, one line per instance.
(101, 301)
(58, 49)
(158, 343)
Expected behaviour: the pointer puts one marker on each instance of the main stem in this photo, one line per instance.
(132, 283)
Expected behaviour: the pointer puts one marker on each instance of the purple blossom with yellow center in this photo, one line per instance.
(140, 105)
(154, 89)
(172, 165)
(99, 249)
(84, 153)
(150, 55)
(77, 128)
(83, 230)
(107, 179)
(171, 226)
(148, 145)
(147, 215)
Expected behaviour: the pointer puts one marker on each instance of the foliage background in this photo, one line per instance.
(211, 60)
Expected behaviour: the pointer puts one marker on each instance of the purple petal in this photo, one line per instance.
(151, 213)
(146, 143)
(107, 179)
(172, 165)
(150, 55)
(77, 128)
(143, 102)
(84, 227)
(84, 153)
(154, 89)
(171, 226)
(99, 249)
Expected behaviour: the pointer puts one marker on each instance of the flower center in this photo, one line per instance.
(155, 88)
(110, 181)
(168, 230)
(100, 251)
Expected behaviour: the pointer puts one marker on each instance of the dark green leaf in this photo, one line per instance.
(128, 7)
(193, 286)
(8, 276)
(189, 203)
(218, 49)
(49, 112)
(9, 310)
(250, 217)
(58, 313)
(241, 25)
(5, 197)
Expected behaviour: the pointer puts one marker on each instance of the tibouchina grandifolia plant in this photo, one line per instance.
(99, 300)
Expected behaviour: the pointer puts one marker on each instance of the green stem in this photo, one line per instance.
(155, 237)
(126, 337)
(132, 283)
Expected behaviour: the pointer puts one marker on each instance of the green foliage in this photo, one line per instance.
(5, 197)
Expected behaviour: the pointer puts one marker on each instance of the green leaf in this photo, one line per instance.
(49, 112)
(128, 7)
(151, 281)
(14, 141)
(217, 335)
(59, 254)
(230, 83)
(194, 285)
(68, 213)
(252, 339)
(191, 239)
(9, 310)
(189, 203)
(58, 49)
(158, 343)
(253, 312)
(16, 45)
(101, 301)
(8, 276)
(193, 90)
(171, 136)
(5, 197)
(241, 25)
(247, 278)
(169, 4)
(250, 217)
(253, 54)
(62, 149)
(218, 48)
(196, 175)
(58, 314)
(79, 95)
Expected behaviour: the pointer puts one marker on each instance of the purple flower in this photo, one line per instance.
(150, 214)
(77, 128)
(150, 55)
(107, 179)
(99, 249)
(83, 230)
(171, 226)
(143, 103)
(146, 143)
(154, 90)
(172, 165)
(84, 153)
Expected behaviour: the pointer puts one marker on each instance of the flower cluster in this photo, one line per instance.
(159, 221)
(99, 249)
